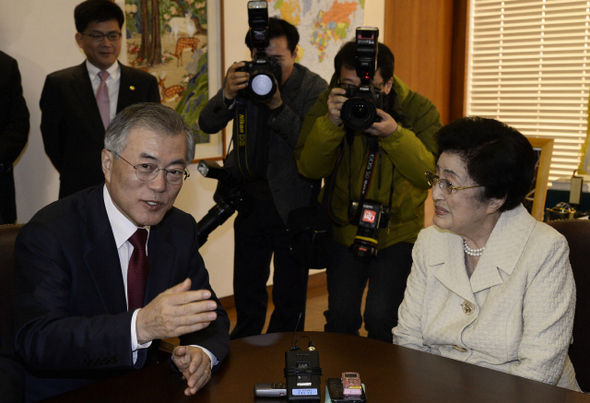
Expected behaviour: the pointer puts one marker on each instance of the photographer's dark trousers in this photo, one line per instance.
(259, 234)
(347, 279)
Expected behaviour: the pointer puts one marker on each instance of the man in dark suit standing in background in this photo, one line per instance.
(78, 103)
(92, 300)
(14, 132)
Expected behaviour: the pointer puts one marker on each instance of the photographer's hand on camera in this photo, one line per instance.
(335, 101)
(235, 81)
(276, 100)
(384, 127)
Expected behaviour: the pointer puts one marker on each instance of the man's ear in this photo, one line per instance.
(107, 158)
(387, 86)
(79, 38)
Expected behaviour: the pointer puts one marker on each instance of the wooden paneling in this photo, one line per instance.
(420, 34)
(428, 39)
(458, 60)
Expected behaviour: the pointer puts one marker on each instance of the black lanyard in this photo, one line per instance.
(372, 157)
(242, 138)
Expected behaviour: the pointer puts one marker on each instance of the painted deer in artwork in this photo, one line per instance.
(182, 24)
(171, 93)
(182, 44)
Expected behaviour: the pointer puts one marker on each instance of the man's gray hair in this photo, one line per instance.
(151, 116)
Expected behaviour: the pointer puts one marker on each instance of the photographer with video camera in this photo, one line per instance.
(375, 137)
(265, 133)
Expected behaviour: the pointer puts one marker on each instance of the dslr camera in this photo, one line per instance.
(265, 72)
(229, 196)
(372, 216)
(360, 110)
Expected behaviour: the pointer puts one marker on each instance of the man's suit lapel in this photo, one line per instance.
(127, 88)
(86, 100)
(161, 256)
(101, 255)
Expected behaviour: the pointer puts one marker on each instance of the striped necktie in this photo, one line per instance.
(102, 99)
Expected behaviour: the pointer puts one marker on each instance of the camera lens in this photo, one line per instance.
(216, 216)
(262, 86)
(358, 113)
(363, 251)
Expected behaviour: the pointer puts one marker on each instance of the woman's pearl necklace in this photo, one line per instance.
(472, 252)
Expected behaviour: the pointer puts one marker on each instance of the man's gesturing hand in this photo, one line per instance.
(175, 312)
(195, 366)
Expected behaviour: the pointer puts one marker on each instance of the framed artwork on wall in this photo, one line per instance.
(180, 44)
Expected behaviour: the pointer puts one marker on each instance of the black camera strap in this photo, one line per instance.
(372, 157)
(249, 145)
(390, 188)
(241, 135)
(241, 138)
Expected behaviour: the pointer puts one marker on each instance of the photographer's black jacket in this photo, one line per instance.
(288, 188)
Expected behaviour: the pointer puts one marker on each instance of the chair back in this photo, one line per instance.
(11, 375)
(8, 235)
(577, 233)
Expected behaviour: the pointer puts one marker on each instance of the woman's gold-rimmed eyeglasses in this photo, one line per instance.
(444, 184)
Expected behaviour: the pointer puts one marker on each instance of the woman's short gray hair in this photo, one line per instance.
(151, 116)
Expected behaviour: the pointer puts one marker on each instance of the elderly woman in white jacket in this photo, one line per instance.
(489, 284)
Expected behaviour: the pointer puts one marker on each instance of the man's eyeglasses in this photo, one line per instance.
(147, 172)
(99, 36)
(444, 185)
(348, 86)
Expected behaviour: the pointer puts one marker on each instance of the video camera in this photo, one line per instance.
(360, 110)
(229, 197)
(265, 72)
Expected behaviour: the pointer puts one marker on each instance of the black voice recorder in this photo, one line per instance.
(302, 371)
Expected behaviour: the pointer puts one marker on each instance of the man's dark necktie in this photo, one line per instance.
(137, 273)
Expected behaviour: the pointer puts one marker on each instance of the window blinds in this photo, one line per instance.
(528, 67)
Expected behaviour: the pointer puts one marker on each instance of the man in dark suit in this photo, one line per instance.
(73, 316)
(71, 123)
(14, 131)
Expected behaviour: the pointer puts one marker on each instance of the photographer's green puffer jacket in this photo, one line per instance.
(406, 155)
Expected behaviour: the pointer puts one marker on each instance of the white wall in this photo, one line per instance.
(40, 35)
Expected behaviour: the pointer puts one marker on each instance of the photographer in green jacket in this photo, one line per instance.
(378, 190)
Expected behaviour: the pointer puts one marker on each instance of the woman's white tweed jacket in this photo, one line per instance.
(515, 314)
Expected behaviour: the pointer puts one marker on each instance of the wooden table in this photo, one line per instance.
(389, 372)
